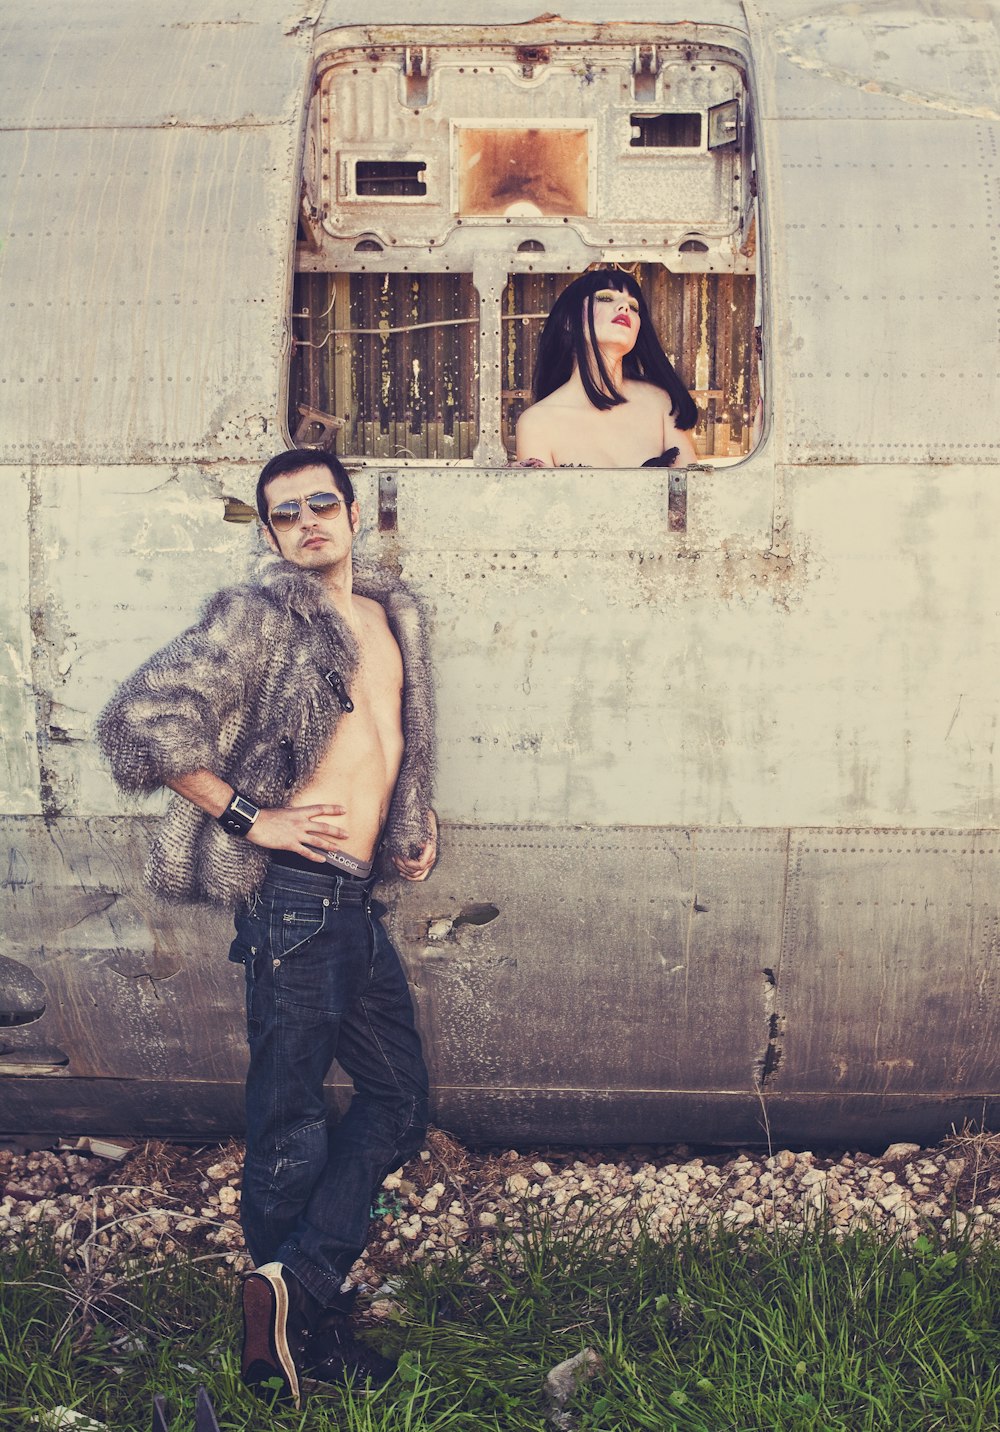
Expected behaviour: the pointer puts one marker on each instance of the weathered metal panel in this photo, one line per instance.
(813, 658)
(553, 144)
(631, 984)
(884, 686)
(132, 989)
(19, 783)
(526, 1117)
(122, 557)
(603, 962)
(161, 334)
(888, 979)
(895, 239)
(120, 64)
(334, 13)
(882, 61)
(605, 672)
(880, 166)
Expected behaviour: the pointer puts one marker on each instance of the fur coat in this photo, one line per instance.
(251, 693)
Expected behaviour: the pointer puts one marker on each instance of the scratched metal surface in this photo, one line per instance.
(333, 14)
(160, 153)
(121, 65)
(755, 757)
(623, 983)
(880, 140)
(361, 117)
(902, 925)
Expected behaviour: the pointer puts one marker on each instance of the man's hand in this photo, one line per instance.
(296, 827)
(420, 868)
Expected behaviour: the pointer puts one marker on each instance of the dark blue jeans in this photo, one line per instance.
(323, 982)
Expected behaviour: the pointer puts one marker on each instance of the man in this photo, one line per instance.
(295, 724)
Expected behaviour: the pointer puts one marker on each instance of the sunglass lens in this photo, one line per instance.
(324, 504)
(286, 514)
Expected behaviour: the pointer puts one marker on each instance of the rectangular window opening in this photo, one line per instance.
(390, 178)
(666, 131)
(386, 365)
(705, 324)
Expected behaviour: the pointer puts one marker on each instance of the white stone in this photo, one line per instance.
(900, 1151)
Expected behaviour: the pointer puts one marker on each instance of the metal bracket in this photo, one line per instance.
(387, 501)
(416, 73)
(645, 68)
(309, 217)
(316, 428)
(677, 501)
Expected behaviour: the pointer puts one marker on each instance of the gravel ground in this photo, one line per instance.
(164, 1197)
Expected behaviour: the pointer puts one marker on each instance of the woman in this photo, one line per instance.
(605, 392)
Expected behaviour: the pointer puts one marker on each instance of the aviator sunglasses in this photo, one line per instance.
(320, 504)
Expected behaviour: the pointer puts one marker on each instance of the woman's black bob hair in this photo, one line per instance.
(566, 339)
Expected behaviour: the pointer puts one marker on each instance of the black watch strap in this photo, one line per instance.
(239, 815)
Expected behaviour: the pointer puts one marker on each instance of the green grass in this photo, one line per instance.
(717, 1332)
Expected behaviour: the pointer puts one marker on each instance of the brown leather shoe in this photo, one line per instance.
(278, 1315)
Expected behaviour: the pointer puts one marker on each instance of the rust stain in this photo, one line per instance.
(523, 171)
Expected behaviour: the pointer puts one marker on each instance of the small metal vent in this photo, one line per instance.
(389, 178)
(666, 131)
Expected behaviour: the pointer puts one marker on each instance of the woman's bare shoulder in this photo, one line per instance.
(558, 398)
(637, 390)
(532, 433)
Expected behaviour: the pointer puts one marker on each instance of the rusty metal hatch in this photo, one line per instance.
(451, 190)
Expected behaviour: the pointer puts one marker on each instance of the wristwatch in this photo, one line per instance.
(239, 815)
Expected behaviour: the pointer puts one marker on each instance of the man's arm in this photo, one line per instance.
(420, 868)
(282, 828)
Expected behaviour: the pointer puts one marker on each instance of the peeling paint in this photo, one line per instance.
(769, 1062)
(956, 46)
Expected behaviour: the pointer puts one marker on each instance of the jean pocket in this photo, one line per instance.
(254, 1020)
(294, 928)
(248, 932)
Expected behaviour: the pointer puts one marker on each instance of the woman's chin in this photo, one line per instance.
(617, 342)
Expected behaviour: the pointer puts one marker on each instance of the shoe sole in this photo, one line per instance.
(266, 1353)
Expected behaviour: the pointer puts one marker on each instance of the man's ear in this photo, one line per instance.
(355, 515)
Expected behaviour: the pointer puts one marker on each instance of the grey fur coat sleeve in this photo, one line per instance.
(408, 823)
(171, 716)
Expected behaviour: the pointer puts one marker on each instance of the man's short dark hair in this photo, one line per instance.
(293, 461)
